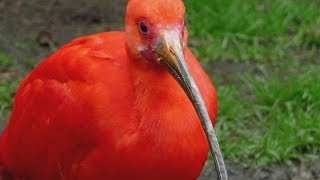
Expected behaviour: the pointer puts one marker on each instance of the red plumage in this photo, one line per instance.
(94, 111)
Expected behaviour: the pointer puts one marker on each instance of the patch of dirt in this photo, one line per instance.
(230, 71)
(297, 171)
(21, 21)
(31, 30)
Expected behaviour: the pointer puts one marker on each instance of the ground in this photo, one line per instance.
(265, 69)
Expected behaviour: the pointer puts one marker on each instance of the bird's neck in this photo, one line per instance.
(160, 101)
(167, 124)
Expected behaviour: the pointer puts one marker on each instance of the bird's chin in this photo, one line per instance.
(148, 54)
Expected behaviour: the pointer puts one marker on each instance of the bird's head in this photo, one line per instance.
(156, 33)
(152, 25)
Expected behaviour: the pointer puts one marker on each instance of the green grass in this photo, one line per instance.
(8, 84)
(5, 60)
(7, 90)
(273, 117)
(242, 30)
(280, 122)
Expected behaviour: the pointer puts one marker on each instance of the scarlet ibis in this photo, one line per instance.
(116, 105)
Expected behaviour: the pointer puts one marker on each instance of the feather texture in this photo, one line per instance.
(91, 110)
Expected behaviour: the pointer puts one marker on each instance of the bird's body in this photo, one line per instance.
(89, 110)
(92, 110)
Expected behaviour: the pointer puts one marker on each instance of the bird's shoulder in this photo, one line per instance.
(91, 58)
(82, 78)
(81, 73)
(73, 93)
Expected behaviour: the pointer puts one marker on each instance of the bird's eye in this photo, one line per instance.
(143, 28)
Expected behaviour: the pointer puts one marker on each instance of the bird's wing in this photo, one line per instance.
(61, 106)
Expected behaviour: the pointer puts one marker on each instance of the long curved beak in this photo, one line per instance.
(170, 54)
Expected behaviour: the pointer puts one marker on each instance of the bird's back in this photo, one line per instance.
(51, 127)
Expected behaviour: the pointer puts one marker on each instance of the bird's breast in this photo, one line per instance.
(169, 138)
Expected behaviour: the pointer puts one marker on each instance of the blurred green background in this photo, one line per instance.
(270, 108)
(263, 56)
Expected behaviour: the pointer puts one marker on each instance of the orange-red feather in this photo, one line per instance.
(89, 111)
(92, 111)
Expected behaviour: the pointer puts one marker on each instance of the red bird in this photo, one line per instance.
(111, 106)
